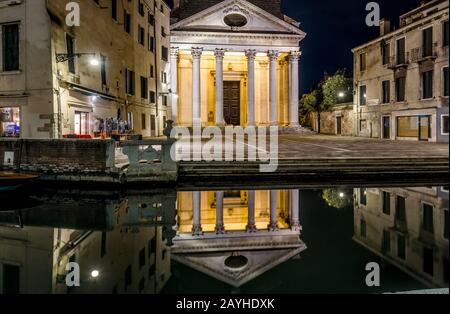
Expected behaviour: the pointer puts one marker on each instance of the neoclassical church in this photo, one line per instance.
(236, 61)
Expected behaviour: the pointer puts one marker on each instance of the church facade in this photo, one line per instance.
(234, 63)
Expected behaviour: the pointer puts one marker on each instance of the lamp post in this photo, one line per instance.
(61, 58)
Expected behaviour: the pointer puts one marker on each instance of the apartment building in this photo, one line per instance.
(402, 78)
(108, 75)
(408, 228)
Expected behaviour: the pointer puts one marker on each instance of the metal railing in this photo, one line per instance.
(424, 53)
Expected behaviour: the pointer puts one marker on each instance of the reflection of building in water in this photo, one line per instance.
(128, 249)
(236, 236)
(408, 228)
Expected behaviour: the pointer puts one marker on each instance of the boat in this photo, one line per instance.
(10, 181)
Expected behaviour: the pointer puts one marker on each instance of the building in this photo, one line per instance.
(338, 120)
(408, 228)
(236, 236)
(110, 73)
(118, 240)
(236, 63)
(402, 78)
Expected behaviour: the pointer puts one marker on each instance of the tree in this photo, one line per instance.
(331, 91)
(337, 198)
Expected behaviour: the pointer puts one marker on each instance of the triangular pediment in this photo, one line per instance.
(213, 19)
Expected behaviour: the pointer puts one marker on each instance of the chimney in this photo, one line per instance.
(176, 4)
(385, 27)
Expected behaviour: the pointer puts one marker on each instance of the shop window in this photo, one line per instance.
(408, 126)
(10, 122)
(81, 123)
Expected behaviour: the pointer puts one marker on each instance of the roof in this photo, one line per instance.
(189, 8)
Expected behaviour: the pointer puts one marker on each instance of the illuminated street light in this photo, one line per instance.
(341, 95)
(94, 62)
(341, 195)
(95, 274)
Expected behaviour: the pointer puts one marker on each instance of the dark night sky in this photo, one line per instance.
(335, 27)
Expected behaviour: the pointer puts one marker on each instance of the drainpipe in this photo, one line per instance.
(157, 78)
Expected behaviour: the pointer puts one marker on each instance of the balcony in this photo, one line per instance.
(422, 54)
(398, 61)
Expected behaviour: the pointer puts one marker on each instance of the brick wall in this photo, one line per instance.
(58, 156)
(328, 120)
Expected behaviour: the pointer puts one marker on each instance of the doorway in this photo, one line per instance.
(424, 128)
(339, 125)
(81, 123)
(232, 102)
(386, 128)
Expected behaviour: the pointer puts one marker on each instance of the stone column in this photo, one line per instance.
(251, 54)
(196, 205)
(273, 56)
(294, 200)
(251, 227)
(196, 85)
(220, 226)
(174, 83)
(273, 226)
(219, 53)
(294, 99)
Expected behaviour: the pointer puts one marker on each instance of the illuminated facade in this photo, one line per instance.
(236, 236)
(235, 62)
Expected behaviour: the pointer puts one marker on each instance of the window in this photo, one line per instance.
(103, 71)
(70, 43)
(142, 285)
(163, 32)
(445, 82)
(10, 47)
(141, 9)
(445, 36)
(427, 218)
(114, 9)
(142, 258)
(362, 62)
(401, 247)
(362, 95)
(141, 35)
(103, 245)
(363, 197)
(427, 85)
(127, 22)
(446, 231)
(386, 243)
(165, 53)
(444, 124)
(153, 122)
(386, 53)
(163, 77)
(129, 81)
(152, 71)
(130, 118)
(165, 101)
(152, 97)
(144, 87)
(151, 43)
(427, 42)
(386, 203)
(386, 92)
(11, 279)
(401, 209)
(401, 51)
(408, 126)
(151, 19)
(428, 261)
(128, 276)
(10, 122)
(363, 228)
(400, 87)
(143, 122)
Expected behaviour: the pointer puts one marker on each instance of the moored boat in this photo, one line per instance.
(10, 181)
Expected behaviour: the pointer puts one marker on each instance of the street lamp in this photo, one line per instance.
(341, 95)
(94, 274)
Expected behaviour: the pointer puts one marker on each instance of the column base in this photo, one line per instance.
(197, 231)
(295, 226)
(251, 229)
(220, 230)
(273, 227)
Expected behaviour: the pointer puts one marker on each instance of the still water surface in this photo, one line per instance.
(230, 241)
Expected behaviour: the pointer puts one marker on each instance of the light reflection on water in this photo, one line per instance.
(263, 241)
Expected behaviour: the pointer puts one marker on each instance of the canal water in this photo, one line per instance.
(293, 241)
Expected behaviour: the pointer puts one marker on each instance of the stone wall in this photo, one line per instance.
(328, 120)
(58, 157)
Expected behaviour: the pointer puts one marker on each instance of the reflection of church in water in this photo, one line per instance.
(236, 236)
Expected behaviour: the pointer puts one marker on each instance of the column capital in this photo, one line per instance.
(294, 56)
(250, 54)
(174, 51)
(196, 52)
(273, 55)
(219, 53)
